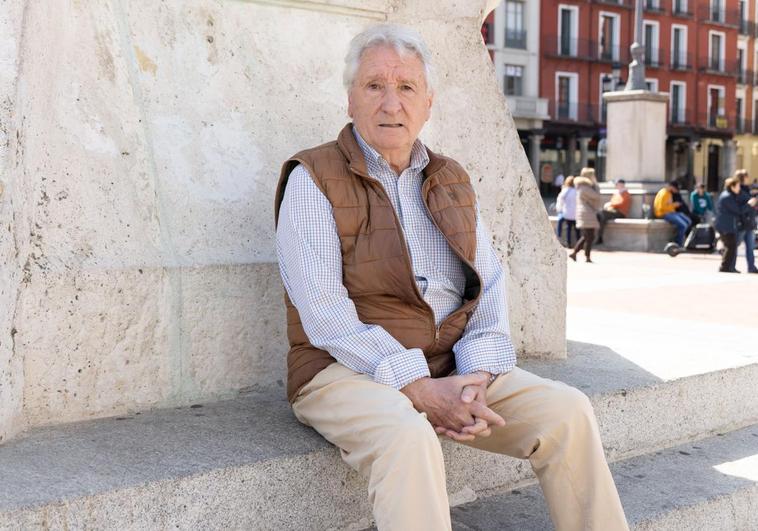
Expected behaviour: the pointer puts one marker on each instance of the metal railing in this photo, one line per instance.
(679, 118)
(574, 111)
(681, 61)
(655, 57)
(714, 14)
(622, 3)
(679, 9)
(745, 77)
(718, 65)
(650, 6)
(715, 121)
(584, 49)
(515, 39)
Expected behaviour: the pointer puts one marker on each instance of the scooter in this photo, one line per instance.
(701, 239)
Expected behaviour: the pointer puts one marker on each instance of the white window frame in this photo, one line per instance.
(653, 83)
(685, 5)
(616, 44)
(722, 100)
(722, 12)
(741, 94)
(682, 102)
(573, 91)
(683, 50)
(742, 45)
(722, 50)
(574, 26)
(755, 108)
(656, 38)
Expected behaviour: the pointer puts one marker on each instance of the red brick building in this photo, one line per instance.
(701, 52)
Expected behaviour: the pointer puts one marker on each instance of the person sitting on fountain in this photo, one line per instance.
(665, 208)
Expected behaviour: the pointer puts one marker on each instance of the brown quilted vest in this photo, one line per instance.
(376, 264)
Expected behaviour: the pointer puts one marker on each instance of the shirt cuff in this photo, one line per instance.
(402, 368)
(494, 355)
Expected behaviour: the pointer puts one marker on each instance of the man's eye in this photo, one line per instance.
(406, 88)
(374, 86)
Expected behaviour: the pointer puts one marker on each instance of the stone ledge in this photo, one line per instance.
(693, 486)
(630, 234)
(247, 463)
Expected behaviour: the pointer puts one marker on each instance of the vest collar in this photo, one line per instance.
(353, 153)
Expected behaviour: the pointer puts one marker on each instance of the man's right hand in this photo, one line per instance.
(440, 399)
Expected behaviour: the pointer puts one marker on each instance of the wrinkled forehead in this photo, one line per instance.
(386, 62)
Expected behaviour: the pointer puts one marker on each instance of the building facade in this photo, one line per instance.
(701, 52)
(512, 35)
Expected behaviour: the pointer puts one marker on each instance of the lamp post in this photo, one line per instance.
(637, 66)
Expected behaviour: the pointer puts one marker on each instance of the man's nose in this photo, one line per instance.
(391, 101)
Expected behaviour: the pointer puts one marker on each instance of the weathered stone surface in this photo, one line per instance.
(144, 144)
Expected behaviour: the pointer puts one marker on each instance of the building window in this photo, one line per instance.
(609, 37)
(740, 111)
(680, 7)
(651, 85)
(565, 95)
(568, 30)
(514, 80)
(716, 51)
(678, 99)
(716, 114)
(743, 17)
(679, 47)
(651, 43)
(717, 11)
(515, 35)
(742, 64)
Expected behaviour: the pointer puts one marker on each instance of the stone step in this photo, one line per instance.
(247, 463)
(705, 485)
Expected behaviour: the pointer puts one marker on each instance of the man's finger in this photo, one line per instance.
(481, 411)
(469, 394)
(460, 437)
(477, 428)
(476, 378)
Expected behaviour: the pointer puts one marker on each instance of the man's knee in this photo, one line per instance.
(412, 433)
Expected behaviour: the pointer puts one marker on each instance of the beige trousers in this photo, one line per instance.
(382, 436)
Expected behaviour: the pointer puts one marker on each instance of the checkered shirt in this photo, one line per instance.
(310, 262)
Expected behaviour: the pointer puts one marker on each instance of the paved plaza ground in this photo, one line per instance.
(673, 317)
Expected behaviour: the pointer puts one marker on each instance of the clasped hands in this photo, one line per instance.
(456, 405)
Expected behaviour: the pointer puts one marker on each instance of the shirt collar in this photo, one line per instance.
(419, 155)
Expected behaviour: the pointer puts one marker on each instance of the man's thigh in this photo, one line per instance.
(531, 406)
(357, 414)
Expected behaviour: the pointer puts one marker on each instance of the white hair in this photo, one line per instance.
(403, 39)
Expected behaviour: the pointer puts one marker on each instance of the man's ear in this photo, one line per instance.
(429, 102)
(350, 103)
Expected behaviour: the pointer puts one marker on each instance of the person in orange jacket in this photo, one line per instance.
(665, 207)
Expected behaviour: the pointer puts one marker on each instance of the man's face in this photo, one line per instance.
(389, 102)
(619, 186)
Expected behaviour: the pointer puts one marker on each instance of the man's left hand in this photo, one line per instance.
(480, 428)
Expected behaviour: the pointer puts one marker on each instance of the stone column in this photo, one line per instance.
(535, 139)
(584, 144)
(730, 158)
(570, 156)
(691, 148)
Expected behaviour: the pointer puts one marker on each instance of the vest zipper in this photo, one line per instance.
(407, 257)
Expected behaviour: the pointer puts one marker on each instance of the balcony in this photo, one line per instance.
(679, 118)
(718, 66)
(651, 6)
(515, 39)
(721, 17)
(654, 57)
(681, 62)
(743, 126)
(745, 77)
(628, 4)
(528, 107)
(679, 9)
(574, 112)
(747, 27)
(716, 122)
(584, 49)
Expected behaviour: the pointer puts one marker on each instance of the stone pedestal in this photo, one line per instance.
(636, 135)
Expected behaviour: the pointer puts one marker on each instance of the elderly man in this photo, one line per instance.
(396, 312)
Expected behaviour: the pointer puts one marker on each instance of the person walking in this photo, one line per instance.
(588, 204)
(747, 234)
(729, 218)
(566, 208)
